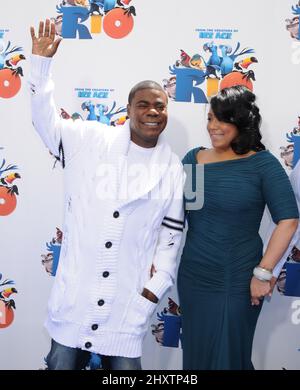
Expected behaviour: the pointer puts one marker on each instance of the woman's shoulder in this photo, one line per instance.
(266, 162)
(266, 157)
(191, 156)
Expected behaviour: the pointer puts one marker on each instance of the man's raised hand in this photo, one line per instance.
(46, 43)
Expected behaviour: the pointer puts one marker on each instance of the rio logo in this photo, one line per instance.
(114, 17)
(195, 77)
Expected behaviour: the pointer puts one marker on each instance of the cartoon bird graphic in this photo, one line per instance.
(4, 297)
(5, 294)
(128, 9)
(13, 61)
(59, 236)
(7, 168)
(64, 114)
(184, 59)
(197, 62)
(6, 281)
(5, 52)
(8, 180)
(75, 116)
(96, 7)
(245, 63)
(250, 75)
(173, 307)
(120, 121)
(158, 332)
(228, 58)
(74, 3)
(7, 183)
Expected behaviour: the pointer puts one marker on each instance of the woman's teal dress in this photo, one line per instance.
(222, 248)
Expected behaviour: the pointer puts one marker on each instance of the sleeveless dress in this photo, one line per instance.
(222, 248)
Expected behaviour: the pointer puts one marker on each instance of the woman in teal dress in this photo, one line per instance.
(220, 298)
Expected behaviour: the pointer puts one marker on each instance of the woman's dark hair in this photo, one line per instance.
(236, 105)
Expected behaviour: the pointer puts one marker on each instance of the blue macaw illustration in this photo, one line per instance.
(91, 109)
(228, 60)
(109, 5)
(96, 6)
(172, 326)
(4, 52)
(214, 59)
(296, 11)
(55, 249)
(104, 116)
(187, 80)
(295, 138)
(72, 18)
(209, 69)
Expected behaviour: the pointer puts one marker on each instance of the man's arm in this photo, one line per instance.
(165, 258)
(62, 137)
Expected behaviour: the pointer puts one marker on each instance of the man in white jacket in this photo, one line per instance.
(123, 221)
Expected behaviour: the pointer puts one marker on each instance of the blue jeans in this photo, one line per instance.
(66, 358)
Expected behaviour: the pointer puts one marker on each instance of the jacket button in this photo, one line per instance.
(101, 302)
(105, 274)
(116, 214)
(108, 244)
(94, 327)
(88, 345)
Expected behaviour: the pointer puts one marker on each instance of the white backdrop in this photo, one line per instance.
(161, 29)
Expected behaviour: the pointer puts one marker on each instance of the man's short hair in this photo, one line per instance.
(146, 84)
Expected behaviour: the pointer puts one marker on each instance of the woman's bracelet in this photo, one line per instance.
(262, 274)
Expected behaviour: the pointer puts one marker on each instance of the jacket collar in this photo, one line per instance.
(159, 164)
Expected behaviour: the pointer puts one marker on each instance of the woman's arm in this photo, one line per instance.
(278, 244)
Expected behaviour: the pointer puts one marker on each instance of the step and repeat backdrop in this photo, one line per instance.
(192, 48)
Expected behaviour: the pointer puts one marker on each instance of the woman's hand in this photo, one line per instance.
(272, 284)
(259, 290)
(46, 43)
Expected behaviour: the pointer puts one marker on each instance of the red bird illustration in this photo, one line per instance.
(184, 59)
(64, 114)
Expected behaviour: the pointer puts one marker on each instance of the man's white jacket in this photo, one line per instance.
(112, 236)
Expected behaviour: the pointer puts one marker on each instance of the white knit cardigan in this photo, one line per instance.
(110, 240)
